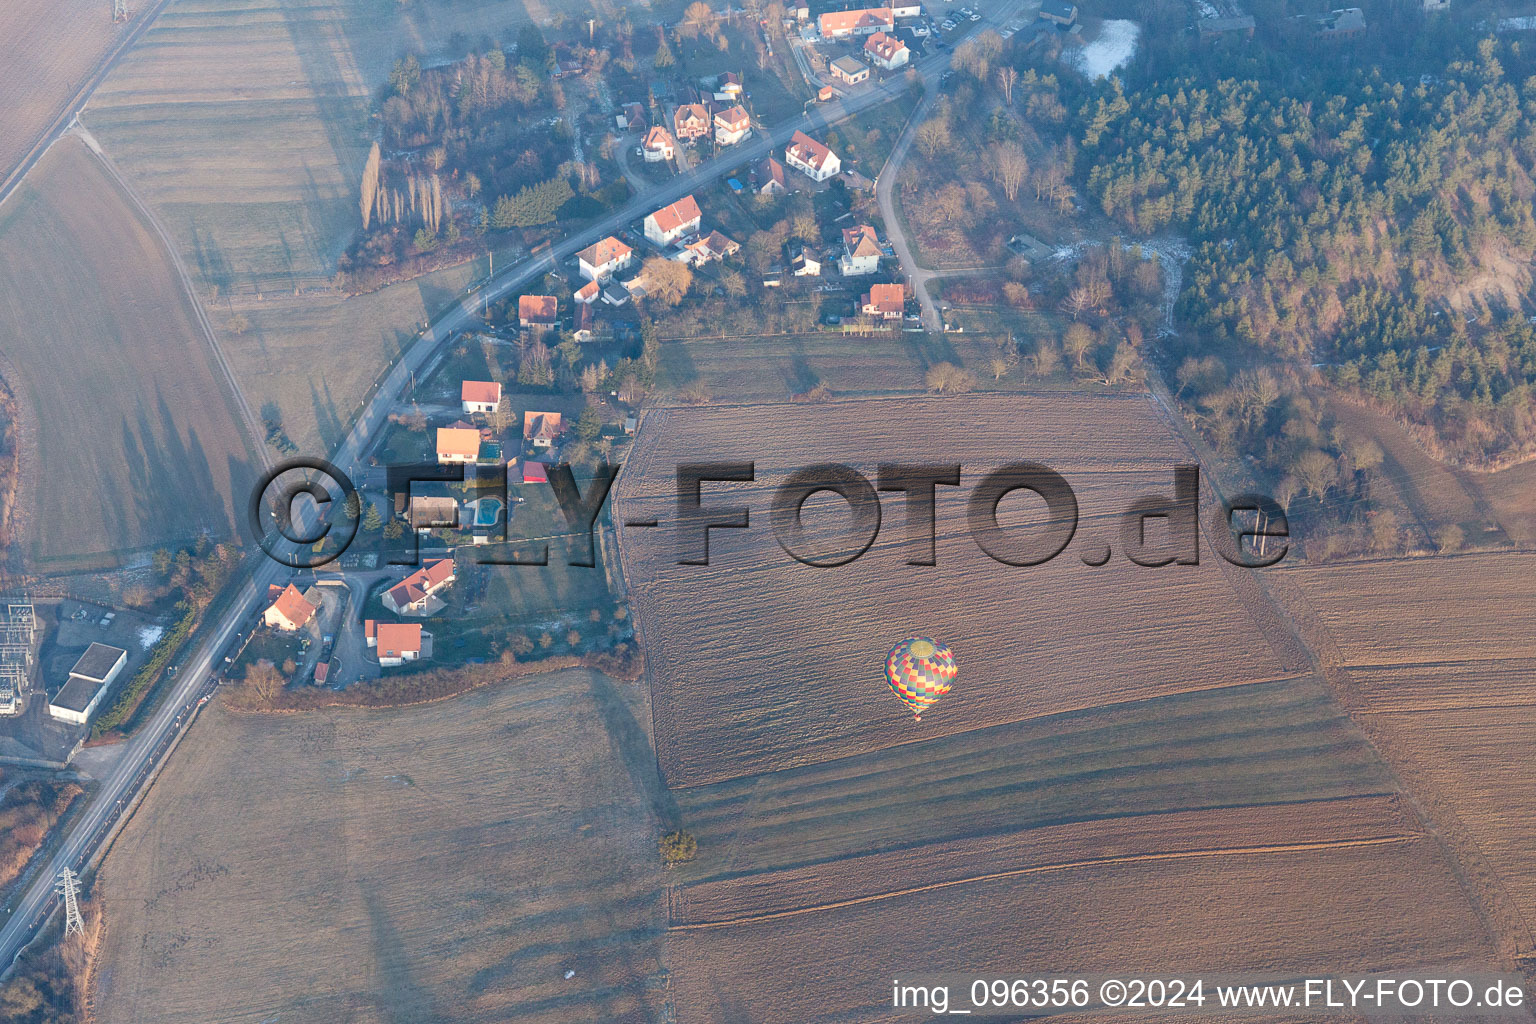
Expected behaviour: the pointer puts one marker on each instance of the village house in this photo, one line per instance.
(430, 512)
(541, 429)
(842, 24)
(396, 642)
(1216, 28)
(457, 445)
(849, 70)
(714, 246)
(811, 158)
(659, 145)
(289, 609)
(906, 9)
(411, 595)
(732, 125)
(770, 178)
(633, 115)
(803, 263)
(861, 251)
(602, 260)
(886, 51)
(885, 301)
(479, 396)
(1345, 23)
(690, 121)
(676, 220)
(537, 312)
(1062, 13)
(587, 293)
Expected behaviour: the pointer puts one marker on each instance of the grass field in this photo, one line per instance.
(48, 50)
(444, 862)
(130, 439)
(1031, 641)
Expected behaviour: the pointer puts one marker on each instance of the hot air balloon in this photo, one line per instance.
(920, 671)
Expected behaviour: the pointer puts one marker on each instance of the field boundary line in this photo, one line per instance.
(1133, 858)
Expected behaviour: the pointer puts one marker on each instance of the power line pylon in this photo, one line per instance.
(73, 923)
(119, 10)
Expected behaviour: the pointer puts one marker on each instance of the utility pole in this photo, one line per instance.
(73, 923)
(119, 10)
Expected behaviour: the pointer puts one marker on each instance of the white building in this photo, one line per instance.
(88, 681)
(479, 396)
(396, 642)
(811, 158)
(732, 125)
(670, 223)
(886, 51)
(861, 251)
(603, 259)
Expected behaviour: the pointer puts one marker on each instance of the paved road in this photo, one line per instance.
(155, 737)
(885, 190)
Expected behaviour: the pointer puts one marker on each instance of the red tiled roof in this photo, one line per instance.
(461, 441)
(541, 424)
(861, 241)
(587, 292)
(670, 218)
(659, 138)
(292, 606)
(883, 46)
(770, 170)
(887, 299)
(421, 582)
(690, 115)
(487, 391)
(732, 119)
(599, 253)
(538, 308)
(397, 639)
(807, 150)
(835, 22)
(535, 472)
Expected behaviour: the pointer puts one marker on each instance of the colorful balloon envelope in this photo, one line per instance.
(920, 671)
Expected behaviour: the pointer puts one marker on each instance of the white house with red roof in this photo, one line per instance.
(770, 178)
(811, 158)
(480, 395)
(842, 24)
(886, 51)
(601, 260)
(885, 301)
(690, 121)
(861, 251)
(674, 221)
(457, 444)
(290, 609)
(542, 429)
(396, 642)
(588, 293)
(659, 145)
(732, 125)
(537, 311)
(411, 595)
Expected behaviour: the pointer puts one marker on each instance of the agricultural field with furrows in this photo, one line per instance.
(1264, 744)
(449, 861)
(1170, 904)
(130, 436)
(1440, 661)
(48, 50)
(721, 640)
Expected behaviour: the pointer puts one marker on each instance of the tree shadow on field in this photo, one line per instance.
(799, 377)
(327, 422)
(212, 265)
(632, 746)
(434, 298)
(401, 999)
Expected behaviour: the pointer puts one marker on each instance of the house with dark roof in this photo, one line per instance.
(1062, 13)
(82, 692)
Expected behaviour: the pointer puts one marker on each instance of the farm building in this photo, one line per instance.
(811, 158)
(886, 51)
(396, 642)
(541, 429)
(78, 698)
(411, 594)
(841, 24)
(289, 609)
(457, 444)
(861, 251)
(732, 125)
(849, 70)
(479, 396)
(603, 259)
(537, 311)
(674, 221)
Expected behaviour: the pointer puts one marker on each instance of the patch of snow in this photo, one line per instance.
(1206, 10)
(1112, 50)
(1525, 23)
(150, 635)
(1171, 253)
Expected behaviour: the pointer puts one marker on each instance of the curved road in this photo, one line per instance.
(145, 751)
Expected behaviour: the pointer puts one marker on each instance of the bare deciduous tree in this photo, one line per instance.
(1009, 167)
(370, 186)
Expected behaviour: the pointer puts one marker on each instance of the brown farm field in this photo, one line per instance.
(130, 436)
(1437, 657)
(1035, 641)
(444, 862)
(48, 51)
